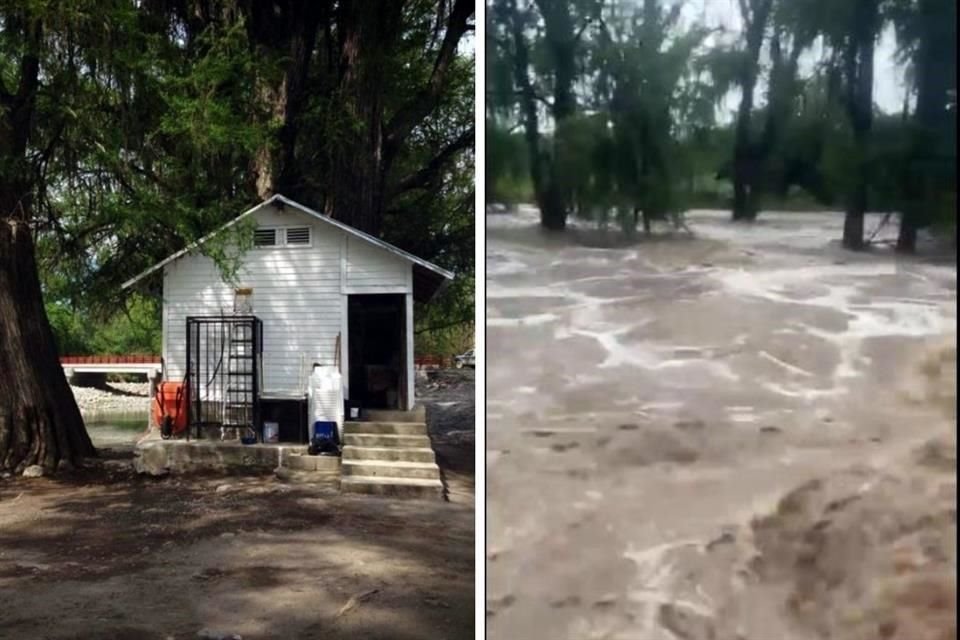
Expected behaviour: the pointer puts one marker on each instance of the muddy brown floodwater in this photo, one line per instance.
(680, 434)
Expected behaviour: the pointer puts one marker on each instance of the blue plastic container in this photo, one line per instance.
(325, 430)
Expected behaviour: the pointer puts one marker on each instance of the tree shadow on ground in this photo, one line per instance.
(120, 556)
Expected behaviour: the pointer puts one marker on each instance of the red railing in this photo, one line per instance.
(420, 361)
(131, 359)
(431, 361)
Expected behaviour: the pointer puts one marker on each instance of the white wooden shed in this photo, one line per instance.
(325, 293)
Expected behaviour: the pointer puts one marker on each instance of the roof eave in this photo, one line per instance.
(195, 244)
(447, 275)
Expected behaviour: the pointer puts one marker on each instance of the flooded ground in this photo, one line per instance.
(645, 403)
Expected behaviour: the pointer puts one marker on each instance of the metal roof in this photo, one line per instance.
(437, 277)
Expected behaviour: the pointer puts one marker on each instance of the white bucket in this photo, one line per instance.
(271, 432)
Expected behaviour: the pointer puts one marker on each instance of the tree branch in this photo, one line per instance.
(407, 117)
(6, 98)
(539, 97)
(21, 105)
(446, 325)
(745, 14)
(426, 175)
(579, 34)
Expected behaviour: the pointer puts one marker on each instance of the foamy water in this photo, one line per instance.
(643, 399)
(847, 289)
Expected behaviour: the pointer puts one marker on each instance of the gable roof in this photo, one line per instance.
(429, 279)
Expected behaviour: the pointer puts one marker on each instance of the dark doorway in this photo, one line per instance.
(375, 326)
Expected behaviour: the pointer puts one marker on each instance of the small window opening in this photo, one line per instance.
(298, 235)
(265, 238)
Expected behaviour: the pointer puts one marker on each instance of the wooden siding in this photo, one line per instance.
(298, 292)
(370, 269)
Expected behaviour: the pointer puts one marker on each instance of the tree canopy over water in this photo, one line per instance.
(615, 109)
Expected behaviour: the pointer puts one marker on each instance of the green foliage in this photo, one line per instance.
(645, 136)
(451, 341)
(150, 118)
(446, 325)
(633, 142)
(506, 165)
(131, 330)
(71, 331)
(207, 108)
(585, 163)
(136, 329)
(657, 103)
(514, 188)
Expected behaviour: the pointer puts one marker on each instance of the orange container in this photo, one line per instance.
(171, 401)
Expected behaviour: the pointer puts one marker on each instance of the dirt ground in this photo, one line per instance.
(105, 554)
(725, 437)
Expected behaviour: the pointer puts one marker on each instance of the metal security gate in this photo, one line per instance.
(224, 371)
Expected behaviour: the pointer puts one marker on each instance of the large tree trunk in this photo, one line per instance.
(367, 31)
(930, 153)
(856, 208)
(859, 64)
(907, 234)
(781, 94)
(357, 194)
(553, 208)
(283, 31)
(552, 213)
(744, 169)
(562, 44)
(39, 419)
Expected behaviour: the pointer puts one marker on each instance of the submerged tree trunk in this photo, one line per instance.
(782, 89)
(39, 419)
(856, 208)
(907, 234)
(744, 207)
(562, 43)
(933, 171)
(552, 215)
(859, 65)
(553, 208)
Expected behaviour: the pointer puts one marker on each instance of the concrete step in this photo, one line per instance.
(398, 487)
(385, 440)
(320, 479)
(399, 428)
(418, 414)
(304, 462)
(402, 454)
(390, 469)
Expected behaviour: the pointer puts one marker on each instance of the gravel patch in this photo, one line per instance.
(113, 397)
(449, 398)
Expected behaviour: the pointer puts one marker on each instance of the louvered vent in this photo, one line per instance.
(298, 235)
(265, 238)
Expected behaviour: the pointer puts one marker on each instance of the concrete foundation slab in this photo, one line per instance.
(161, 457)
